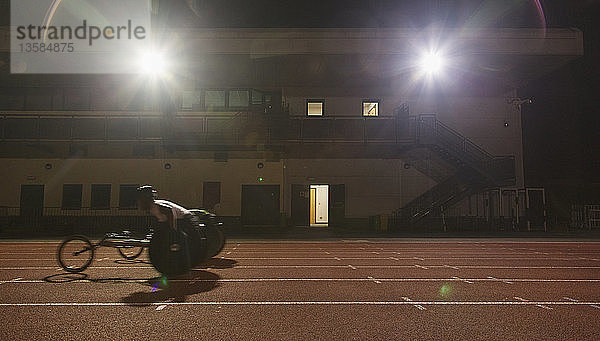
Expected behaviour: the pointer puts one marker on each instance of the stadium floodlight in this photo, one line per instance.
(153, 64)
(432, 63)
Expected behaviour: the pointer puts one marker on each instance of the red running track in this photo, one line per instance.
(353, 289)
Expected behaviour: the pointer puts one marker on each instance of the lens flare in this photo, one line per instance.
(432, 63)
(445, 290)
(153, 63)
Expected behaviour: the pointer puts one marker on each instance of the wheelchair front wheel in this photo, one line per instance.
(75, 254)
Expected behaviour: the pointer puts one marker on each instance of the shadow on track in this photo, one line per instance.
(217, 263)
(132, 261)
(65, 277)
(173, 290)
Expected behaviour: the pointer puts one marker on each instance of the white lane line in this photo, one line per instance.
(421, 267)
(537, 305)
(501, 280)
(391, 280)
(327, 253)
(336, 258)
(462, 280)
(14, 280)
(394, 258)
(356, 258)
(351, 267)
(418, 306)
(451, 267)
(433, 303)
(574, 300)
(374, 280)
(331, 267)
(161, 307)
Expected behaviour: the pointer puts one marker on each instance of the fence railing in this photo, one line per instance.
(585, 217)
(54, 221)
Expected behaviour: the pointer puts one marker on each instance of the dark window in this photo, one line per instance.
(239, 98)
(257, 97)
(71, 199)
(88, 128)
(20, 128)
(214, 99)
(190, 100)
(211, 194)
(100, 199)
(32, 200)
(128, 197)
(122, 128)
(55, 128)
(143, 150)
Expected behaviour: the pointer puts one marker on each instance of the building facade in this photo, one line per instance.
(297, 126)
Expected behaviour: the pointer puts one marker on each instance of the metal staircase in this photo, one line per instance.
(474, 169)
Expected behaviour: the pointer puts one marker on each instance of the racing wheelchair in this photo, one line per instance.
(171, 252)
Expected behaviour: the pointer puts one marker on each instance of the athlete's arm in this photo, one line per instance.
(169, 214)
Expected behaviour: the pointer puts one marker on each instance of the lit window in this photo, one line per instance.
(314, 108)
(370, 108)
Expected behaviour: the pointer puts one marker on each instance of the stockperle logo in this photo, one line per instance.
(79, 36)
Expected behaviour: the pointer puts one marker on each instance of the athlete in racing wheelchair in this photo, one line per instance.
(179, 240)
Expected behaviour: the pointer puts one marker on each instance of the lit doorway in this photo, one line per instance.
(319, 205)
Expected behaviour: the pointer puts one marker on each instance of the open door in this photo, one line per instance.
(300, 195)
(319, 205)
(337, 205)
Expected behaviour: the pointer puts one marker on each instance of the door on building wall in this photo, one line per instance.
(211, 194)
(260, 205)
(300, 196)
(319, 205)
(32, 200)
(337, 205)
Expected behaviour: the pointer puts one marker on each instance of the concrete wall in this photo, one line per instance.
(373, 186)
(481, 119)
(182, 183)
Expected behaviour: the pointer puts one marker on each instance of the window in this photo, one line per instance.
(128, 197)
(214, 99)
(315, 108)
(190, 99)
(71, 199)
(257, 97)
(100, 199)
(211, 194)
(238, 98)
(370, 108)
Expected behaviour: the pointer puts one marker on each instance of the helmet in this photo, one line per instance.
(146, 192)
